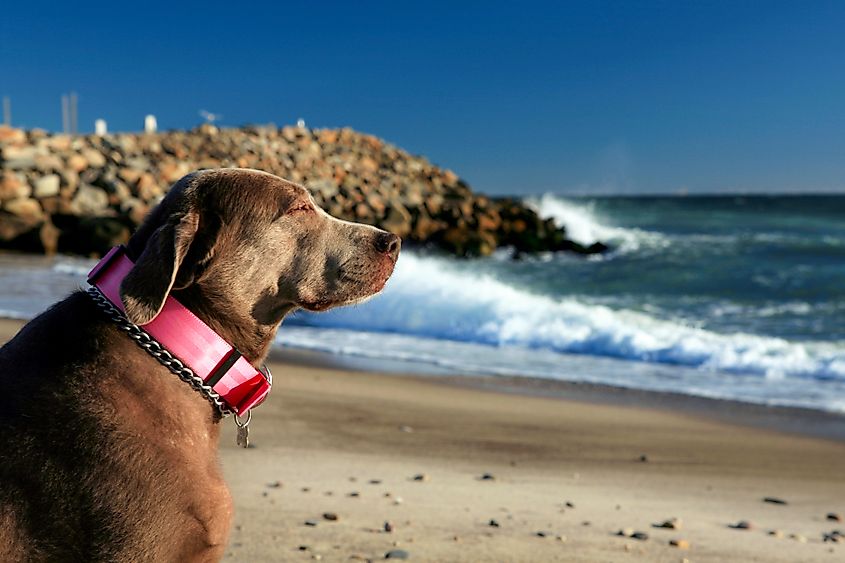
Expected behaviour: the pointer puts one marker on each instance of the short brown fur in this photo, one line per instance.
(107, 456)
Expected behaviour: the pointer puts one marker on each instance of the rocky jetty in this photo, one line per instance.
(83, 194)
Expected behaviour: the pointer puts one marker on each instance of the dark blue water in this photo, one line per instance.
(731, 297)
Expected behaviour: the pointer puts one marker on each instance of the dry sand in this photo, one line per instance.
(351, 443)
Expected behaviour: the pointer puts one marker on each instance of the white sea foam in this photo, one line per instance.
(583, 224)
(439, 298)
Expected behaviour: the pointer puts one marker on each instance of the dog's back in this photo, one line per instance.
(75, 483)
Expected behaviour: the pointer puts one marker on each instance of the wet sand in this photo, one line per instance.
(350, 444)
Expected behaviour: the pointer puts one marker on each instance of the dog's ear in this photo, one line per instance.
(146, 286)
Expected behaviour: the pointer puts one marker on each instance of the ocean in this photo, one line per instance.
(731, 297)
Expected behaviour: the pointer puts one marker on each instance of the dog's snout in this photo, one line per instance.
(388, 243)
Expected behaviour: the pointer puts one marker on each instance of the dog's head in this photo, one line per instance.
(248, 242)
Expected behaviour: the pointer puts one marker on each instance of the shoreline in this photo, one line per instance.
(794, 420)
(787, 419)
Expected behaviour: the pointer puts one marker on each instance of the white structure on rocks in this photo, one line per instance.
(100, 127)
(150, 124)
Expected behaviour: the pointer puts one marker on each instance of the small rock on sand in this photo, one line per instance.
(311, 523)
(644, 458)
(625, 532)
(487, 477)
(834, 517)
(639, 536)
(775, 500)
(679, 543)
(420, 477)
(274, 485)
(388, 527)
(569, 505)
(670, 524)
(798, 537)
(354, 494)
(741, 525)
(834, 537)
(493, 523)
(543, 534)
(397, 554)
(331, 516)
(776, 534)
(375, 481)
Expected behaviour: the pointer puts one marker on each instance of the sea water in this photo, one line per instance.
(726, 297)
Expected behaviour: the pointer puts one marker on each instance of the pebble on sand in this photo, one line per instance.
(310, 523)
(487, 477)
(388, 527)
(397, 554)
(775, 500)
(421, 477)
(741, 525)
(670, 524)
(776, 534)
(331, 516)
(680, 543)
(631, 533)
(798, 537)
(274, 485)
(834, 517)
(569, 504)
(834, 536)
(493, 523)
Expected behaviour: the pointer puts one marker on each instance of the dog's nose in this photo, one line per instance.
(388, 243)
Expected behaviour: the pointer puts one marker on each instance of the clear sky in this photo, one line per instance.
(522, 97)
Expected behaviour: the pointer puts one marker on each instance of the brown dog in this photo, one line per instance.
(105, 455)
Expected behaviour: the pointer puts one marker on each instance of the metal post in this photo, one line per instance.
(65, 114)
(74, 121)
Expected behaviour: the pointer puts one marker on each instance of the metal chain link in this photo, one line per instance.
(159, 352)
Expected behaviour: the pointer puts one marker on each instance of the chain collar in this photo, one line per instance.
(160, 353)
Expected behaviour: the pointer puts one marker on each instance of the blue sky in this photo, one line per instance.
(523, 97)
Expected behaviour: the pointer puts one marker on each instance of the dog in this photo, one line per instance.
(105, 454)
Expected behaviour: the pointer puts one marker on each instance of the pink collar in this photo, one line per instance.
(178, 330)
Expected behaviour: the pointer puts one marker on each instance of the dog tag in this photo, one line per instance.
(243, 436)
(243, 430)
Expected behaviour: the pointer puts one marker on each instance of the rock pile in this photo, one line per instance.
(83, 194)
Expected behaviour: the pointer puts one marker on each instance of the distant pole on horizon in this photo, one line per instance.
(74, 116)
(7, 111)
(65, 115)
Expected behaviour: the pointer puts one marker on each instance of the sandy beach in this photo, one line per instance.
(350, 465)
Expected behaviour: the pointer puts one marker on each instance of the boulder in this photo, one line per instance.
(90, 200)
(46, 186)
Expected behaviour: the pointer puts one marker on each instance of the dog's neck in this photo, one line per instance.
(229, 319)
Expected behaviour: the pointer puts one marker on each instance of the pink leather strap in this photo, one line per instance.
(185, 336)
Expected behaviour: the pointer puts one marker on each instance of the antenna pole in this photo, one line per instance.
(65, 114)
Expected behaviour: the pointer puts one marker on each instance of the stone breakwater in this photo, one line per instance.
(83, 194)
